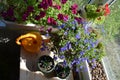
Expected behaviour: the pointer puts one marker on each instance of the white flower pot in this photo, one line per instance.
(85, 73)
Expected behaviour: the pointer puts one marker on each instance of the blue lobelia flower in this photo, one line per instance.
(77, 36)
(64, 63)
(62, 57)
(82, 52)
(93, 45)
(61, 26)
(86, 41)
(88, 47)
(63, 49)
(73, 27)
(68, 45)
(65, 33)
(55, 57)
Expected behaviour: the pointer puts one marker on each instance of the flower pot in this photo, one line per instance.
(46, 64)
(89, 73)
(62, 71)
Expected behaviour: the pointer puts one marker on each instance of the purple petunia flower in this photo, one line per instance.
(42, 14)
(43, 5)
(63, 1)
(24, 17)
(60, 16)
(10, 12)
(37, 17)
(30, 9)
(50, 2)
(79, 20)
(49, 29)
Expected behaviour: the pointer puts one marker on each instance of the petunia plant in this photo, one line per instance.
(40, 12)
(97, 13)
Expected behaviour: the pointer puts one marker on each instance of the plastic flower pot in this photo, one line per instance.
(86, 71)
(62, 70)
(46, 64)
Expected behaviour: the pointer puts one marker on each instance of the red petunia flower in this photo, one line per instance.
(107, 10)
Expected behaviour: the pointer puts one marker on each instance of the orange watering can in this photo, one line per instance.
(31, 42)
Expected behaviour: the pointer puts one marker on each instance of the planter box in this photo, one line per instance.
(85, 73)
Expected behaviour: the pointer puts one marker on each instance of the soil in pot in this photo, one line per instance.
(46, 64)
(97, 71)
(62, 70)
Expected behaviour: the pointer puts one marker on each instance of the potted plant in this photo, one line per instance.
(78, 42)
(38, 12)
(62, 70)
(95, 12)
(46, 64)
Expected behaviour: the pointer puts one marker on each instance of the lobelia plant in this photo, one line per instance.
(39, 12)
(77, 43)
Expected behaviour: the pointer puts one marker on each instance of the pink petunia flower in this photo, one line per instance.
(57, 7)
(74, 11)
(74, 7)
(51, 21)
(65, 17)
